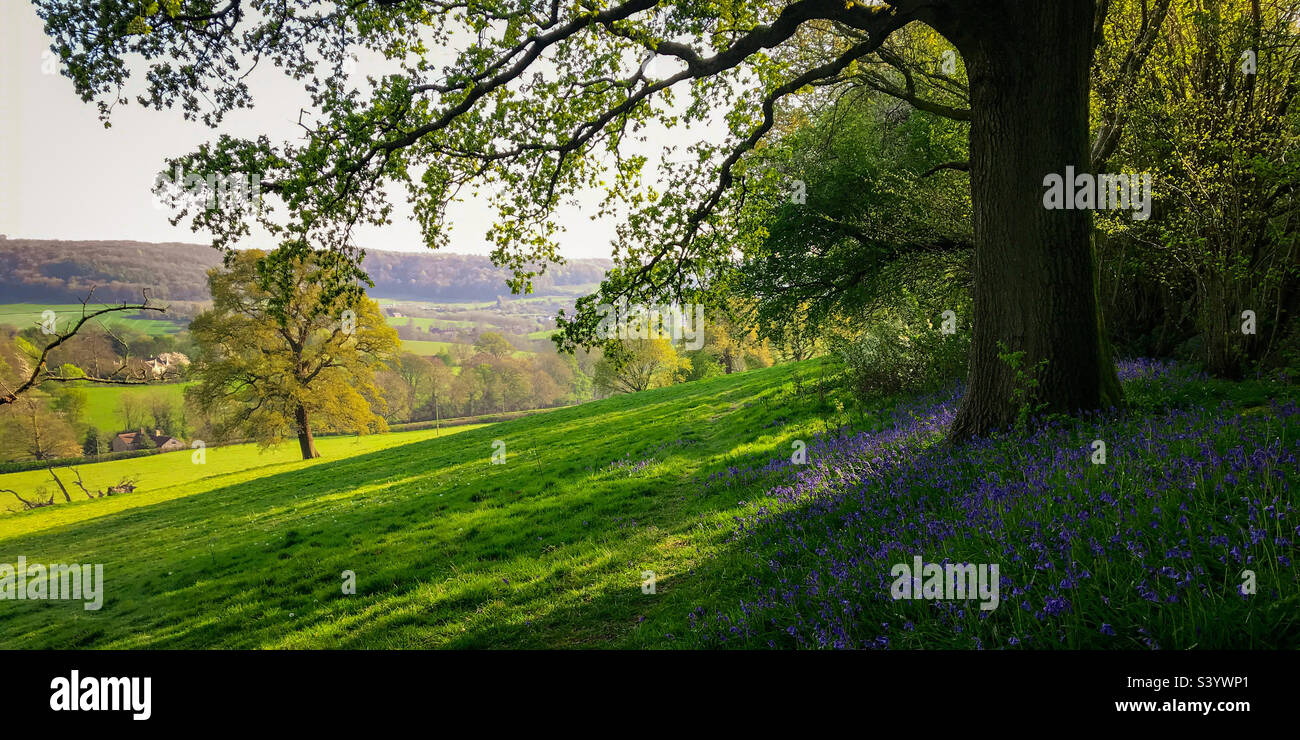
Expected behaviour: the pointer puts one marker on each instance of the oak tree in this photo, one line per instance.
(545, 100)
(281, 355)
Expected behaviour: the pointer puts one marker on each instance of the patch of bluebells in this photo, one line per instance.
(1090, 555)
(635, 463)
(629, 467)
(1161, 370)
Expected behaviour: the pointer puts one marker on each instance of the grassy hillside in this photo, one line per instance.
(170, 475)
(695, 483)
(449, 549)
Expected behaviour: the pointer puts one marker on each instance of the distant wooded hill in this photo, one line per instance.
(48, 271)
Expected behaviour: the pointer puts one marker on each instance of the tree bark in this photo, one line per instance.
(1028, 64)
(305, 441)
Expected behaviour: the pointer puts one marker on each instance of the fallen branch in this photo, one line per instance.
(126, 485)
(29, 504)
(66, 497)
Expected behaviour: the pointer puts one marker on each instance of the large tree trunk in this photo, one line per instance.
(1028, 63)
(305, 441)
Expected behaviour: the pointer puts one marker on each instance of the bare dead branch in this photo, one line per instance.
(28, 504)
(66, 497)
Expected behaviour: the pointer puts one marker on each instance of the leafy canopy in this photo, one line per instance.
(272, 344)
(539, 104)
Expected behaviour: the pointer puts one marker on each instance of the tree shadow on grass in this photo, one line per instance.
(447, 549)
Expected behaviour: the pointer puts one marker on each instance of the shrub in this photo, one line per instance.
(903, 351)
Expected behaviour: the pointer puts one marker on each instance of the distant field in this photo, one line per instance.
(430, 349)
(424, 348)
(389, 303)
(23, 315)
(103, 401)
(172, 475)
(425, 323)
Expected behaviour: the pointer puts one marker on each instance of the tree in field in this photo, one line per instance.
(558, 378)
(703, 365)
(508, 383)
(634, 365)
(467, 390)
(162, 412)
(69, 402)
(547, 100)
(546, 391)
(795, 340)
(436, 385)
(93, 350)
(493, 344)
(734, 343)
(29, 428)
(396, 394)
(282, 355)
(416, 371)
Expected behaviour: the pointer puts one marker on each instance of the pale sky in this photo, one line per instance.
(64, 176)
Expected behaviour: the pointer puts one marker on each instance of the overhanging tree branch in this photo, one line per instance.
(41, 374)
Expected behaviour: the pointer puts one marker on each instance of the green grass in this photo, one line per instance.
(544, 551)
(171, 475)
(24, 315)
(449, 550)
(103, 402)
